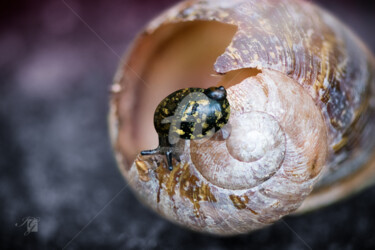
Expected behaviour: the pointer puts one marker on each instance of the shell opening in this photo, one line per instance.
(174, 56)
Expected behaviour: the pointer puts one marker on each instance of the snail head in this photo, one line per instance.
(216, 93)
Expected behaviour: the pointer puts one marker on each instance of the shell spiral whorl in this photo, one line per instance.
(250, 176)
(263, 131)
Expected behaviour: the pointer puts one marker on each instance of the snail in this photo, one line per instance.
(300, 86)
(191, 113)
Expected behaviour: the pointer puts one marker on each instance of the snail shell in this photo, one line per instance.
(189, 114)
(301, 90)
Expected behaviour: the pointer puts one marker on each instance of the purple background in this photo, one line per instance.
(55, 157)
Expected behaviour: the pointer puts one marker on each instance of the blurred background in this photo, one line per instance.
(57, 61)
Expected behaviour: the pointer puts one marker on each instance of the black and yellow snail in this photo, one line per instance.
(190, 114)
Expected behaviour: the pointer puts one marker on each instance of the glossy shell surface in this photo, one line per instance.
(190, 114)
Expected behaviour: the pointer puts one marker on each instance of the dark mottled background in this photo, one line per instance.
(57, 60)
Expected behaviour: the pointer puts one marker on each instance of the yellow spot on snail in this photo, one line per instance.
(189, 110)
(203, 102)
(180, 132)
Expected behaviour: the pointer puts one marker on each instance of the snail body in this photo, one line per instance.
(190, 114)
(301, 91)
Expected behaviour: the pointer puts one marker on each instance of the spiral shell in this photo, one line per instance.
(300, 87)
